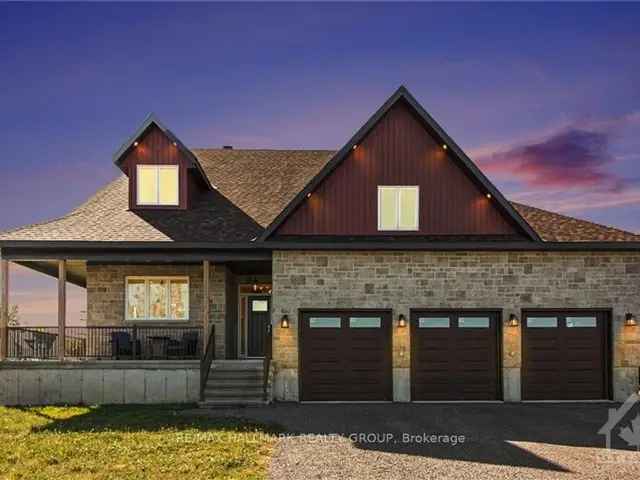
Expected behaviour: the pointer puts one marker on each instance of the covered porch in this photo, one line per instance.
(146, 307)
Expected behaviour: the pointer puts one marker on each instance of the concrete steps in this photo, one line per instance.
(233, 383)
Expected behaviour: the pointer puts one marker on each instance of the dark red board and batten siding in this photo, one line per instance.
(155, 148)
(398, 151)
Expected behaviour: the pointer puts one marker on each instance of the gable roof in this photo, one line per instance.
(402, 94)
(253, 187)
(253, 191)
(149, 122)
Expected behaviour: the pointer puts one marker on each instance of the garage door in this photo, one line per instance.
(454, 355)
(345, 355)
(564, 355)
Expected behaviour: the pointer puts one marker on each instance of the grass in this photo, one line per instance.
(129, 442)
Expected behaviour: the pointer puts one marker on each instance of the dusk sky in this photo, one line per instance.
(545, 98)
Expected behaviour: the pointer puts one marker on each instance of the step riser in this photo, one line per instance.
(234, 383)
(234, 392)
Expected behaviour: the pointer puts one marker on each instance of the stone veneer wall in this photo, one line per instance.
(106, 295)
(510, 281)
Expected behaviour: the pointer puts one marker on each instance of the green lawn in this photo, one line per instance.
(123, 442)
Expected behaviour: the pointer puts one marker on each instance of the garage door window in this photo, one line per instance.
(365, 322)
(473, 322)
(434, 322)
(324, 322)
(542, 322)
(581, 322)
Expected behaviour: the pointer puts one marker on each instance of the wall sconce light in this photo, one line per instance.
(630, 320)
(402, 321)
(284, 321)
(513, 320)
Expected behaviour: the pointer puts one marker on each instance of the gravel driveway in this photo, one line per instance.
(473, 441)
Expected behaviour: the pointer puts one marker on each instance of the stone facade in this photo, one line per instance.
(510, 281)
(106, 295)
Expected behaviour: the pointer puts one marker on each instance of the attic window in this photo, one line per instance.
(157, 185)
(398, 208)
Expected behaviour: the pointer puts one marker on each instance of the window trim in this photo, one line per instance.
(147, 279)
(398, 189)
(157, 203)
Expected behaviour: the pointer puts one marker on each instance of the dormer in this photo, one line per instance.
(163, 173)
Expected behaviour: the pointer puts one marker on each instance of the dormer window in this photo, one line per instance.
(158, 185)
(398, 208)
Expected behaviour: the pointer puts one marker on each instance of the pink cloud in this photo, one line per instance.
(572, 158)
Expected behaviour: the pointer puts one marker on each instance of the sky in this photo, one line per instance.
(545, 98)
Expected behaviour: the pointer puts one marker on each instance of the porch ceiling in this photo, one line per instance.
(76, 269)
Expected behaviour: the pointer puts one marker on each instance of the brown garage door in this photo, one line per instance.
(454, 355)
(345, 355)
(564, 355)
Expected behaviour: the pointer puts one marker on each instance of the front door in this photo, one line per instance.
(259, 316)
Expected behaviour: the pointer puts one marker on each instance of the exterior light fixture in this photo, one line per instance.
(355, 146)
(630, 320)
(309, 195)
(513, 320)
(444, 147)
(402, 321)
(284, 321)
(135, 144)
(489, 196)
(175, 144)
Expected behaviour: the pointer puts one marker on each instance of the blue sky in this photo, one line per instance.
(544, 97)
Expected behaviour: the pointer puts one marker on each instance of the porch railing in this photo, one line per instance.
(106, 343)
(207, 360)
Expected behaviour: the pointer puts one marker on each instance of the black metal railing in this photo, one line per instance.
(207, 359)
(32, 343)
(106, 343)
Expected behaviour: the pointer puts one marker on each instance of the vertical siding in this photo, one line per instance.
(156, 149)
(398, 151)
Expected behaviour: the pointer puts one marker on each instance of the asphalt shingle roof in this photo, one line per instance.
(253, 187)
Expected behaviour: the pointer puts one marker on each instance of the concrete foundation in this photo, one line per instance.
(96, 383)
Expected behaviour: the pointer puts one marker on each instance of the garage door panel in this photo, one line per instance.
(565, 360)
(459, 362)
(358, 345)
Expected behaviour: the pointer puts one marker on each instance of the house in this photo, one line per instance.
(390, 270)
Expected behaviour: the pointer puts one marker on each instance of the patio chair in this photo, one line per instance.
(190, 344)
(122, 346)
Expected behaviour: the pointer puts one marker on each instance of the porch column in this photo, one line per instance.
(205, 304)
(4, 308)
(62, 307)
